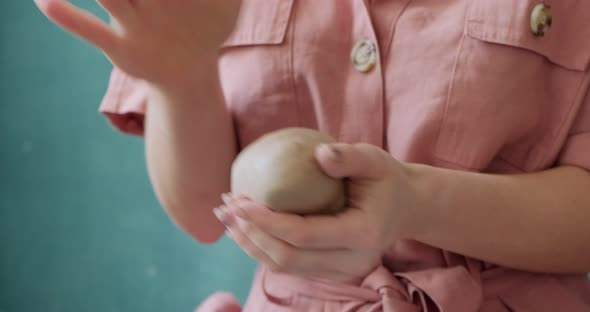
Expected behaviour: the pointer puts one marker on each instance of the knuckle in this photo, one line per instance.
(246, 228)
(364, 146)
(300, 239)
(284, 259)
(275, 268)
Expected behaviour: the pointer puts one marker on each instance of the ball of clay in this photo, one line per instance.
(280, 171)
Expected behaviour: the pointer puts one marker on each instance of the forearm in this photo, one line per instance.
(190, 146)
(536, 222)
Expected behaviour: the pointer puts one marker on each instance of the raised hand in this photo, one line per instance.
(156, 40)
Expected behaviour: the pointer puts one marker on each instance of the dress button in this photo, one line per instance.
(541, 19)
(364, 55)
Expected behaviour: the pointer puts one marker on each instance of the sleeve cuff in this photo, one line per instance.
(124, 103)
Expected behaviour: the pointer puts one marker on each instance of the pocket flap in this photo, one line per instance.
(261, 22)
(507, 22)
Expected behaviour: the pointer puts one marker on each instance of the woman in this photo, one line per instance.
(464, 124)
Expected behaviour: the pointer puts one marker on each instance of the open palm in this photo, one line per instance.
(153, 40)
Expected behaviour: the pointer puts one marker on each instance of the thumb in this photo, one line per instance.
(361, 161)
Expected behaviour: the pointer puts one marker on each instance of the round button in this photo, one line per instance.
(364, 55)
(541, 19)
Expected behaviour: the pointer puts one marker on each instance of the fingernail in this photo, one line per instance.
(333, 152)
(222, 216)
(226, 198)
(40, 3)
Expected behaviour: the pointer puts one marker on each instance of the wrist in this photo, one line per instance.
(202, 76)
(427, 187)
(198, 87)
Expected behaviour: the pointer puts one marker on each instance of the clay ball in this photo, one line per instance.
(279, 170)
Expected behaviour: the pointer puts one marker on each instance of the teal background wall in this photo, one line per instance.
(80, 229)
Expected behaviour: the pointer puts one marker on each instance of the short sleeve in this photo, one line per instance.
(124, 103)
(576, 150)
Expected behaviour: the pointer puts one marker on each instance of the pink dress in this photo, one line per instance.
(455, 83)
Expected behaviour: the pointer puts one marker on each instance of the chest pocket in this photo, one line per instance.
(256, 69)
(512, 93)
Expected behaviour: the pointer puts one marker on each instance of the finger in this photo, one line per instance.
(293, 260)
(312, 232)
(361, 161)
(251, 249)
(122, 10)
(242, 240)
(79, 22)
